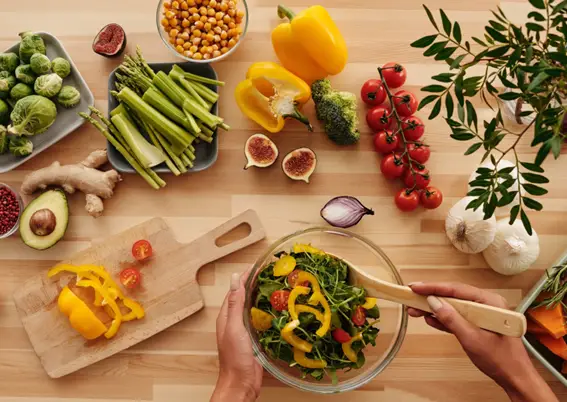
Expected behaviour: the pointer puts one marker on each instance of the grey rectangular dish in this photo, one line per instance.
(67, 120)
(205, 153)
(552, 362)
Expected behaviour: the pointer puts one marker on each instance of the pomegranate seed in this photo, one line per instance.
(9, 210)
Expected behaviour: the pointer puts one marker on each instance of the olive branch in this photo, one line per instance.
(529, 61)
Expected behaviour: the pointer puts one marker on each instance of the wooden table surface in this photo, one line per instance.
(181, 363)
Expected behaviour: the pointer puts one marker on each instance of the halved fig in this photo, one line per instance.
(300, 164)
(260, 151)
(110, 41)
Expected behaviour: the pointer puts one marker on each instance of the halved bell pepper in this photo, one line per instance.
(369, 303)
(319, 298)
(261, 321)
(270, 94)
(115, 309)
(349, 351)
(310, 45)
(284, 266)
(294, 340)
(304, 361)
(297, 291)
(81, 317)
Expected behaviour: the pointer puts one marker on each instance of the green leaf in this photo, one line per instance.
(435, 48)
(506, 170)
(459, 91)
(507, 82)
(473, 148)
(533, 167)
(424, 42)
(433, 88)
(436, 109)
(539, 4)
(479, 41)
(457, 62)
(475, 192)
(498, 51)
(532, 204)
(497, 36)
(526, 222)
(556, 143)
(461, 113)
(535, 178)
(558, 56)
(427, 100)
(536, 16)
(508, 96)
(430, 16)
(445, 21)
(533, 189)
(445, 53)
(471, 115)
(542, 153)
(462, 137)
(497, 26)
(445, 77)
(480, 183)
(532, 26)
(540, 78)
(514, 213)
(457, 32)
(560, 7)
(449, 105)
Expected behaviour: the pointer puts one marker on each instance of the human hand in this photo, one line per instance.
(502, 358)
(240, 375)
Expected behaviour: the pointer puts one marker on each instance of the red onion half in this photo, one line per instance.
(344, 211)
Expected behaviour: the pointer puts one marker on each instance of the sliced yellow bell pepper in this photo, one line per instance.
(298, 290)
(294, 340)
(348, 350)
(136, 310)
(304, 276)
(319, 298)
(284, 266)
(117, 314)
(310, 45)
(302, 308)
(369, 303)
(304, 361)
(81, 317)
(306, 248)
(261, 321)
(270, 94)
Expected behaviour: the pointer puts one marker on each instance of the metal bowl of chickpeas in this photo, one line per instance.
(202, 31)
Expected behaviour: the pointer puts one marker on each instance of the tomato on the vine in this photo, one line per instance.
(413, 128)
(431, 198)
(279, 299)
(340, 335)
(392, 166)
(394, 74)
(385, 142)
(130, 278)
(419, 152)
(359, 316)
(378, 118)
(405, 103)
(373, 92)
(419, 178)
(407, 200)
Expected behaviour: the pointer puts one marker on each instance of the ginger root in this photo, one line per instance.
(85, 177)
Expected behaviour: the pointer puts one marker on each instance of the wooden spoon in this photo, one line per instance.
(499, 320)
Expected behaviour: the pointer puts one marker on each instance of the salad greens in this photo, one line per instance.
(331, 274)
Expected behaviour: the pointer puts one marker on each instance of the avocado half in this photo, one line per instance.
(56, 202)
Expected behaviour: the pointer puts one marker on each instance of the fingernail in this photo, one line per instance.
(235, 281)
(414, 284)
(434, 303)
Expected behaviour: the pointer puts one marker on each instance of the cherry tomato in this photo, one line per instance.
(340, 335)
(359, 316)
(385, 142)
(431, 198)
(279, 299)
(407, 200)
(130, 278)
(378, 118)
(373, 92)
(394, 74)
(142, 250)
(405, 103)
(413, 128)
(420, 179)
(392, 166)
(292, 279)
(419, 152)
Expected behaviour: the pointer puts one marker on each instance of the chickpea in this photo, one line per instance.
(215, 47)
(240, 14)
(204, 49)
(184, 6)
(205, 2)
(231, 43)
(231, 12)
(175, 5)
(180, 42)
(216, 38)
(231, 33)
(238, 30)
(211, 12)
(223, 35)
(196, 41)
(208, 26)
(207, 56)
(167, 5)
(203, 10)
(224, 7)
(231, 25)
(197, 56)
(217, 30)
(191, 2)
(172, 41)
(188, 54)
(194, 48)
(223, 43)
(213, 3)
(219, 15)
(179, 49)
(187, 46)
(212, 21)
(173, 33)
(231, 4)
(167, 29)
(184, 36)
(164, 22)
(203, 35)
(205, 43)
(226, 19)
(216, 53)
(204, 18)
(185, 14)
(198, 2)
(169, 14)
(224, 50)
(210, 37)
(185, 23)
(195, 17)
(224, 27)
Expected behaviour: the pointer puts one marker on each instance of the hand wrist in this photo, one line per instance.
(529, 387)
(229, 389)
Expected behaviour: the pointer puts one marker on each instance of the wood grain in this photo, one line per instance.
(180, 364)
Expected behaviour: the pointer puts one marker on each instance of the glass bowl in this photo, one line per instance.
(21, 205)
(241, 5)
(358, 251)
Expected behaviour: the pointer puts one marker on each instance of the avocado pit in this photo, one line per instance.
(43, 222)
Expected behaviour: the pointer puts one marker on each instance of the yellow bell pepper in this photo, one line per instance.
(136, 310)
(270, 94)
(261, 321)
(306, 248)
(304, 276)
(304, 361)
(369, 303)
(298, 290)
(302, 308)
(284, 266)
(310, 45)
(319, 298)
(294, 340)
(116, 310)
(81, 317)
(348, 350)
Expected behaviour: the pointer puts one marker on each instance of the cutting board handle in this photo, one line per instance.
(207, 244)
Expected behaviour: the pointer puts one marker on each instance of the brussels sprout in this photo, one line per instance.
(40, 64)
(4, 140)
(20, 91)
(48, 85)
(61, 67)
(30, 44)
(4, 112)
(32, 115)
(25, 74)
(68, 97)
(7, 82)
(20, 146)
(9, 62)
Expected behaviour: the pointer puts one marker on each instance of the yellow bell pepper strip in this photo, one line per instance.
(304, 361)
(136, 310)
(117, 313)
(270, 94)
(81, 317)
(304, 276)
(298, 290)
(319, 298)
(369, 303)
(310, 45)
(348, 350)
(284, 266)
(294, 340)
(261, 321)
(302, 308)
(306, 248)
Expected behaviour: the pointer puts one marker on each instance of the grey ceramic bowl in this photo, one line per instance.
(67, 120)
(205, 153)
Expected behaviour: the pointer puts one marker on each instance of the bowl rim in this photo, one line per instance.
(162, 35)
(16, 226)
(395, 345)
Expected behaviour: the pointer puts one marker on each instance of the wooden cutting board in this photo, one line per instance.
(169, 291)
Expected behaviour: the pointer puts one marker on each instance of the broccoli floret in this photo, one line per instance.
(338, 110)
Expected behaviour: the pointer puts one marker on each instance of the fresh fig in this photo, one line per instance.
(110, 41)
(300, 164)
(260, 151)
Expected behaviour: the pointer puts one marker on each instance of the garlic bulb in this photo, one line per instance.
(467, 229)
(513, 250)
